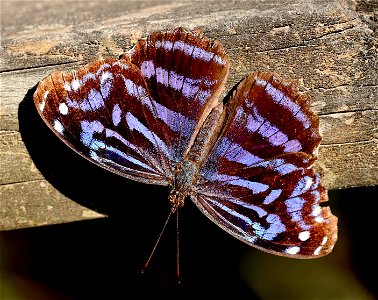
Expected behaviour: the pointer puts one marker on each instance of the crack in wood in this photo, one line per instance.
(21, 182)
(73, 63)
(350, 143)
(347, 111)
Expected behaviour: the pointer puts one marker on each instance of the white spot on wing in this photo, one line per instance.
(58, 126)
(104, 76)
(304, 235)
(63, 109)
(75, 84)
(317, 250)
(316, 211)
(42, 105)
(292, 250)
(319, 219)
(67, 87)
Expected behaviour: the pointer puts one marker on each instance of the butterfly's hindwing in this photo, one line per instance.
(257, 183)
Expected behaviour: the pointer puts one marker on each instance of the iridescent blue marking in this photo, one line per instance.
(97, 144)
(72, 103)
(203, 95)
(102, 67)
(147, 68)
(231, 212)
(89, 128)
(273, 195)
(240, 155)
(133, 89)
(88, 76)
(261, 212)
(292, 146)
(95, 99)
(189, 90)
(193, 51)
(189, 87)
(267, 129)
(234, 152)
(280, 98)
(84, 105)
(296, 216)
(254, 120)
(165, 114)
(120, 64)
(275, 227)
(116, 114)
(109, 162)
(106, 84)
(116, 135)
(278, 138)
(171, 118)
(134, 123)
(175, 80)
(302, 186)
(294, 204)
(279, 165)
(128, 157)
(258, 229)
(255, 187)
(161, 76)
(286, 168)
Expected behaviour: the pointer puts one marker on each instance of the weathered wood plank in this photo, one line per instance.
(329, 47)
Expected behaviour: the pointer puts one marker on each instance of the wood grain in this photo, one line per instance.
(328, 47)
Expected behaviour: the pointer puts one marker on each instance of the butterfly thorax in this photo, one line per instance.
(184, 183)
(186, 172)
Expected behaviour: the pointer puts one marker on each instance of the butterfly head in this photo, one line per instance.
(176, 199)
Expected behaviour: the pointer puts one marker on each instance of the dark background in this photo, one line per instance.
(103, 258)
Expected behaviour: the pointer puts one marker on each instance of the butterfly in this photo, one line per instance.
(154, 116)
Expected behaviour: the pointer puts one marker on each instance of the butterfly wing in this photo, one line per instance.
(184, 73)
(104, 112)
(257, 183)
(137, 116)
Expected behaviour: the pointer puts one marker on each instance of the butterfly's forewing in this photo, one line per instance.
(184, 74)
(257, 183)
(103, 112)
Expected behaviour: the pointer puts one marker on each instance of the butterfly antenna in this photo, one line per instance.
(157, 242)
(178, 247)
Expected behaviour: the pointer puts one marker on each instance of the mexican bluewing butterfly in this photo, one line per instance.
(154, 116)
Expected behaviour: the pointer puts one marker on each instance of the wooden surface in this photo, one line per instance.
(329, 47)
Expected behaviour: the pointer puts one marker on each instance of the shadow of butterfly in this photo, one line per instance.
(154, 116)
